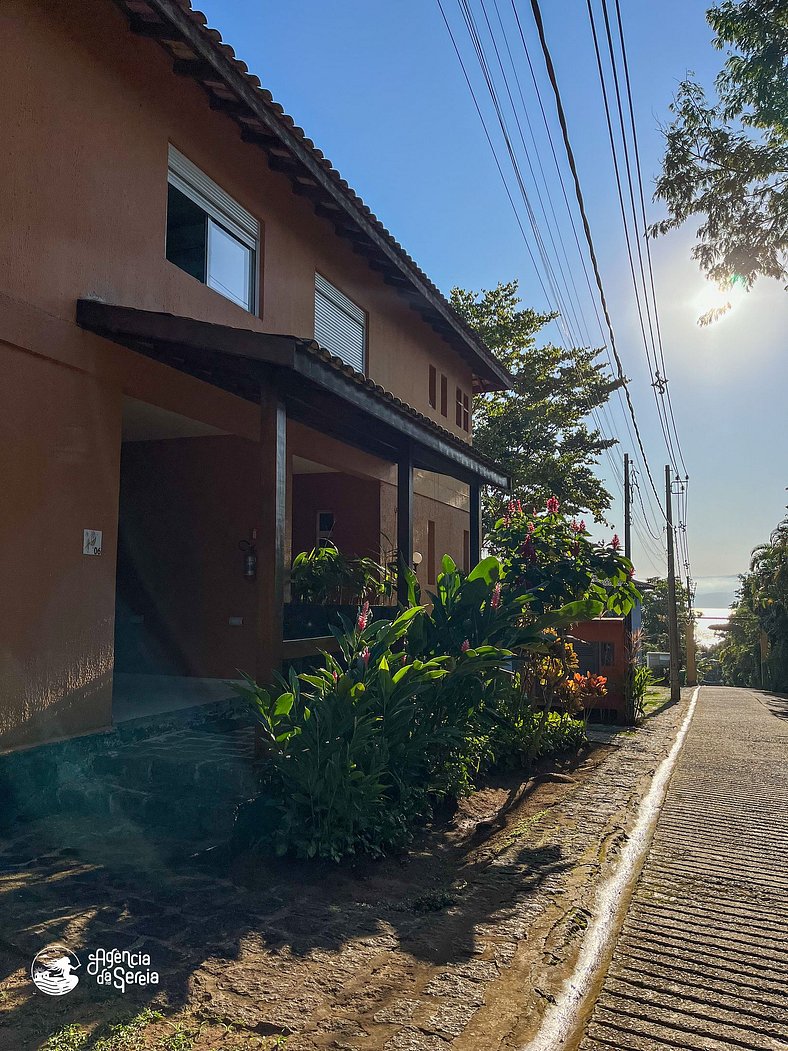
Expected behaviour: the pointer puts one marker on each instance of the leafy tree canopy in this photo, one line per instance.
(655, 616)
(540, 429)
(727, 159)
(760, 610)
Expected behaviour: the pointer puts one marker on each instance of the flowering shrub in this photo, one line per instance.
(419, 707)
(555, 562)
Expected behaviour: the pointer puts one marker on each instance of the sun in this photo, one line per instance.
(714, 302)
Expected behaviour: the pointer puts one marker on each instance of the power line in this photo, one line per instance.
(587, 231)
(652, 367)
(568, 318)
(645, 222)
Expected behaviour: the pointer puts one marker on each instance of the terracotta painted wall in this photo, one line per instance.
(85, 178)
(356, 506)
(607, 630)
(59, 442)
(185, 504)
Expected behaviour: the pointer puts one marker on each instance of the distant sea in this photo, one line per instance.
(709, 615)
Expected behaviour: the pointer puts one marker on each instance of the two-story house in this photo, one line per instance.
(206, 338)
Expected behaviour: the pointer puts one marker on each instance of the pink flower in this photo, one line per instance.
(615, 543)
(553, 505)
(495, 601)
(365, 655)
(465, 646)
(363, 617)
(336, 677)
(582, 525)
(530, 527)
(575, 526)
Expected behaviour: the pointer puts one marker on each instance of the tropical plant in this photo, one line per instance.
(754, 651)
(417, 708)
(727, 160)
(553, 561)
(325, 575)
(540, 427)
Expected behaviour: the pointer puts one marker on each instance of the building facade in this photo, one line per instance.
(206, 338)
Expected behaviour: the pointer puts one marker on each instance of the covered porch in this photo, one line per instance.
(323, 428)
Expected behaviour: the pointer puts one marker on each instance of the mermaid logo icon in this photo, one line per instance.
(53, 969)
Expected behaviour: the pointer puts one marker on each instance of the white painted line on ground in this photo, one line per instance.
(562, 1019)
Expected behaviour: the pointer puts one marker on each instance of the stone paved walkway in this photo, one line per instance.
(702, 960)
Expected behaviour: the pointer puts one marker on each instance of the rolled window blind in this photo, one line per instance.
(340, 326)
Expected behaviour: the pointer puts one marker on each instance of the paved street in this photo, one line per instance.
(702, 961)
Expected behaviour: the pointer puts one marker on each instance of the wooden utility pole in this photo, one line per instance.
(673, 619)
(629, 696)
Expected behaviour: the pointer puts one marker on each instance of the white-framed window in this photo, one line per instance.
(209, 235)
(340, 325)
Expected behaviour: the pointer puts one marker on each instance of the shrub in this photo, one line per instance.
(418, 707)
(325, 575)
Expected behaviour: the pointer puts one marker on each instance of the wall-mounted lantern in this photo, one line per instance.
(249, 547)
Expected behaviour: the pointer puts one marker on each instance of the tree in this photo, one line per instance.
(655, 616)
(727, 160)
(761, 608)
(539, 429)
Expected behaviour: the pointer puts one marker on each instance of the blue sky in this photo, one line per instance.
(378, 87)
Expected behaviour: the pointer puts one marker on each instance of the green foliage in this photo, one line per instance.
(643, 680)
(561, 571)
(727, 160)
(540, 428)
(418, 707)
(761, 608)
(655, 616)
(325, 575)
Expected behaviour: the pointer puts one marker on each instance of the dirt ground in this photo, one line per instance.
(460, 943)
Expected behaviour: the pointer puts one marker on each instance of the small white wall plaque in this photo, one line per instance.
(91, 541)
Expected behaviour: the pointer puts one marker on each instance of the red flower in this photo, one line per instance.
(582, 525)
(553, 505)
(363, 617)
(495, 601)
(465, 646)
(530, 527)
(336, 677)
(365, 656)
(615, 543)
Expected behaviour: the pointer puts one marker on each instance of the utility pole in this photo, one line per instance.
(673, 622)
(629, 696)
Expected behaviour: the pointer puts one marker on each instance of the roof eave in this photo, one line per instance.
(264, 123)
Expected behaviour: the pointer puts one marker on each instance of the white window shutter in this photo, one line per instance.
(340, 325)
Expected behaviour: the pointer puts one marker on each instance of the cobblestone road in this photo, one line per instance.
(702, 960)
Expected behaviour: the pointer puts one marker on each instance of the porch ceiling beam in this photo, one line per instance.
(246, 358)
(128, 323)
(431, 451)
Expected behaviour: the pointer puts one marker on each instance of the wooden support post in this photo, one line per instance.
(271, 535)
(475, 526)
(404, 519)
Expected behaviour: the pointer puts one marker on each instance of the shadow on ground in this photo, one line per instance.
(244, 938)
